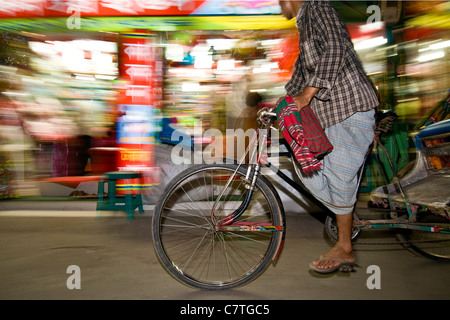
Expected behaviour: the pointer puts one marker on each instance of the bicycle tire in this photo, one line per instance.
(331, 229)
(432, 245)
(201, 256)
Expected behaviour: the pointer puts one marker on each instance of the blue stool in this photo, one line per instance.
(114, 201)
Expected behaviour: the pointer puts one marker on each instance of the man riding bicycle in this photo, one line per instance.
(329, 78)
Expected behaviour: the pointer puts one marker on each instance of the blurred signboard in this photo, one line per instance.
(140, 69)
(92, 8)
(136, 125)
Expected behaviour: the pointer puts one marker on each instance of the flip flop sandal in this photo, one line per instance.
(343, 266)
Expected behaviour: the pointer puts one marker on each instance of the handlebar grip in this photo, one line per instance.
(268, 113)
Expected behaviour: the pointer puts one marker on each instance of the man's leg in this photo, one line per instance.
(336, 185)
(343, 250)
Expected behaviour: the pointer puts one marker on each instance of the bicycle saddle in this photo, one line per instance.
(384, 120)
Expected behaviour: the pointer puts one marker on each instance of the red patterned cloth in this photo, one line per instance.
(303, 133)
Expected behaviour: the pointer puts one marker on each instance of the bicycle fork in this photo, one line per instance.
(228, 223)
(250, 182)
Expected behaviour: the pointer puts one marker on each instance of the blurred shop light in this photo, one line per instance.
(203, 61)
(174, 52)
(225, 64)
(221, 44)
(370, 27)
(73, 58)
(15, 94)
(104, 77)
(84, 77)
(73, 54)
(187, 72)
(258, 90)
(440, 45)
(435, 45)
(32, 80)
(96, 45)
(32, 34)
(190, 87)
(370, 43)
(203, 57)
(102, 63)
(270, 42)
(431, 56)
(265, 67)
(42, 48)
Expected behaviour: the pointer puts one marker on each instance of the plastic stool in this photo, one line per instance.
(113, 201)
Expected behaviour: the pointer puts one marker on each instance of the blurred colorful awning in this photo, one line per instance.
(121, 24)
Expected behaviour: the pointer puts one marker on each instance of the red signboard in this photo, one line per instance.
(64, 8)
(140, 70)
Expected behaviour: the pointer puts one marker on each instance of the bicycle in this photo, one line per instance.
(219, 226)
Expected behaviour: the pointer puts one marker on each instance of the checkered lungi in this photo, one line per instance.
(303, 133)
(336, 184)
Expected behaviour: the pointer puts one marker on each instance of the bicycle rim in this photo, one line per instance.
(192, 249)
(432, 245)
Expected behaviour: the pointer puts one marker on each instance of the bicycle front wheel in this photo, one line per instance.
(192, 247)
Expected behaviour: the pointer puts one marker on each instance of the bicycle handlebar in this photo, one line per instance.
(265, 116)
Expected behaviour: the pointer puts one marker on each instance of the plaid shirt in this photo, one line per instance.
(328, 61)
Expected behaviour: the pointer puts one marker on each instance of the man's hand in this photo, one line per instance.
(304, 98)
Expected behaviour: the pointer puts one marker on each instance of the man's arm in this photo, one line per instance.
(304, 98)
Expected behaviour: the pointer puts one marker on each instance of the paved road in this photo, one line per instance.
(117, 261)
